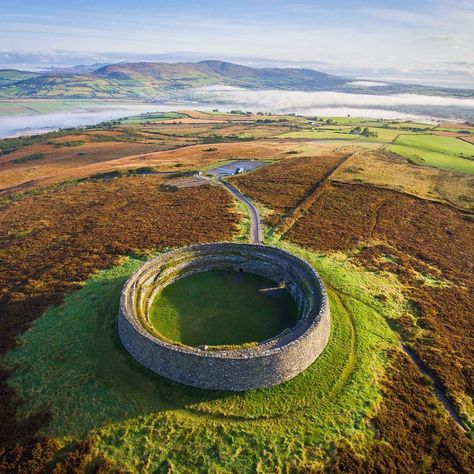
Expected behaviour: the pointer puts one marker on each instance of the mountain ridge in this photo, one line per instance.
(164, 81)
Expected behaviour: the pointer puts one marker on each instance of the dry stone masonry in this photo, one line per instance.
(269, 363)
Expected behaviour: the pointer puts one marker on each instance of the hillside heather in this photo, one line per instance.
(72, 233)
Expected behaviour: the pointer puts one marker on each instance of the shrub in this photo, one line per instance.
(32, 157)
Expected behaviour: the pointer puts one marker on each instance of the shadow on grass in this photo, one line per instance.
(72, 363)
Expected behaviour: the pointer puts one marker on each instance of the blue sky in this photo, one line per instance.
(414, 39)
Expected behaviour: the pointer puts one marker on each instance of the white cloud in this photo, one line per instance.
(367, 83)
(301, 99)
(352, 40)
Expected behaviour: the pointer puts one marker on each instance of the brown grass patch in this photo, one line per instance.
(61, 164)
(50, 243)
(346, 215)
(412, 433)
(191, 120)
(423, 240)
(391, 171)
(456, 126)
(284, 185)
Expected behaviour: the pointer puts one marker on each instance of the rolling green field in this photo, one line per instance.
(436, 143)
(364, 122)
(320, 135)
(434, 159)
(221, 308)
(449, 153)
(440, 152)
(151, 117)
(73, 363)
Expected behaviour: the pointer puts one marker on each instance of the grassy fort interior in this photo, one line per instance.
(222, 308)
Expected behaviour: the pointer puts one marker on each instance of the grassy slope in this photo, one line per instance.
(221, 308)
(144, 79)
(435, 159)
(10, 76)
(441, 152)
(423, 181)
(243, 234)
(320, 134)
(71, 361)
(31, 107)
(432, 150)
(450, 145)
(151, 117)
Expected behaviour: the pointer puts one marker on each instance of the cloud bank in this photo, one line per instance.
(339, 103)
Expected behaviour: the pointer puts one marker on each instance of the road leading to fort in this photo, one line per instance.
(255, 222)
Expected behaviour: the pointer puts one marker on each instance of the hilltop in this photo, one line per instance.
(162, 81)
(144, 79)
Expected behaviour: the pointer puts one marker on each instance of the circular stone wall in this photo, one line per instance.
(269, 363)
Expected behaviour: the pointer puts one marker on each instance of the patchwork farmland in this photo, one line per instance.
(385, 217)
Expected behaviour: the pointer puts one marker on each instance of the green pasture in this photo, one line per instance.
(408, 125)
(440, 152)
(222, 308)
(319, 135)
(462, 127)
(152, 117)
(29, 107)
(436, 160)
(437, 143)
(384, 134)
(352, 121)
(71, 362)
(343, 133)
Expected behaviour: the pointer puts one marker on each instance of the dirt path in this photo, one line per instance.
(437, 387)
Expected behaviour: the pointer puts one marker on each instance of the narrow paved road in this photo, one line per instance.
(255, 223)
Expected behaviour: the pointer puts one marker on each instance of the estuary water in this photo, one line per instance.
(31, 124)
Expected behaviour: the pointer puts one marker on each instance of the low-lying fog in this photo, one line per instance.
(339, 103)
(403, 106)
(16, 125)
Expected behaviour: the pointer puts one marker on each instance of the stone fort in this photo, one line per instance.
(268, 363)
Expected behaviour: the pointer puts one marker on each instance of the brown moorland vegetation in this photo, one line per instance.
(422, 242)
(429, 183)
(47, 171)
(284, 185)
(62, 162)
(411, 433)
(50, 243)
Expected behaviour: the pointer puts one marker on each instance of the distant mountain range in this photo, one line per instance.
(161, 81)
